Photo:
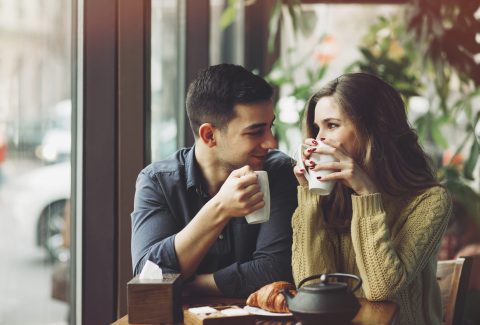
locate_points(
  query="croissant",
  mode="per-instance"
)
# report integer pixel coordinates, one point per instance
(269, 297)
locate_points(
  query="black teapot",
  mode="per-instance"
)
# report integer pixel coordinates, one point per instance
(324, 303)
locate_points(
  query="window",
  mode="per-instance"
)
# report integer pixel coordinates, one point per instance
(167, 111)
(35, 112)
(226, 42)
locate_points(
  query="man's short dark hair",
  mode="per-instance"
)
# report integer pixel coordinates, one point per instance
(216, 90)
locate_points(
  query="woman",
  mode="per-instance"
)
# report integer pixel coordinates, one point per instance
(386, 214)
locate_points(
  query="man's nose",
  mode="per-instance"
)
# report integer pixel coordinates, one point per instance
(270, 141)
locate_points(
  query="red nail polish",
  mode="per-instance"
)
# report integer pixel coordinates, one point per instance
(312, 164)
(302, 170)
(315, 142)
(319, 177)
(311, 150)
(322, 139)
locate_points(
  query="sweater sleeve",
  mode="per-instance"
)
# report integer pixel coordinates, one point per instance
(313, 250)
(387, 265)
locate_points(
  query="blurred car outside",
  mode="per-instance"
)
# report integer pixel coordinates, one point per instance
(37, 200)
(56, 142)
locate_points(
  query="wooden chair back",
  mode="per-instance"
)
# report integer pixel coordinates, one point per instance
(453, 278)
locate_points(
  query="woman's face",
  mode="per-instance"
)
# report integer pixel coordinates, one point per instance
(334, 124)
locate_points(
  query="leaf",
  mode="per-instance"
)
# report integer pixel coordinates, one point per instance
(302, 91)
(367, 54)
(228, 16)
(472, 160)
(437, 133)
(465, 195)
(421, 125)
(274, 24)
(321, 72)
(293, 16)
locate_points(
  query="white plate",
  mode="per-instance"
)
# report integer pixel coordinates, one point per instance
(261, 312)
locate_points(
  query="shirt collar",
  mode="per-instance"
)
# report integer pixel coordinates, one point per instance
(192, 171)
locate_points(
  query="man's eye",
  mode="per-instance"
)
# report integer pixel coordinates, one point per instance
(255, 134)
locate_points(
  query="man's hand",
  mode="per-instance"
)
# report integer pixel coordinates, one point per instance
(240, 194)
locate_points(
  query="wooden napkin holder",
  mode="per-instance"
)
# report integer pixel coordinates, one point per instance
(217, 318)
(154, 301)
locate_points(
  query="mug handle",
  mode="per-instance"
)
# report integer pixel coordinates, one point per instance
(324, 277)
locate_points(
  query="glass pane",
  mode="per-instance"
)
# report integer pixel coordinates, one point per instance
(35, 111)
(227, 32)
(166, 101)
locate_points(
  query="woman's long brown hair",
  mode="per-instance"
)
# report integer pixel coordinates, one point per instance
(389, 150)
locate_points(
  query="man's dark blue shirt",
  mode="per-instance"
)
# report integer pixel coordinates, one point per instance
(244, 257)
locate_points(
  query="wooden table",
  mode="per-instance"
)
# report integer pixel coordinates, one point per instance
(370, 313)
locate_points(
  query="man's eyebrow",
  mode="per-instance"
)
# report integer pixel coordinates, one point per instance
(257, 125)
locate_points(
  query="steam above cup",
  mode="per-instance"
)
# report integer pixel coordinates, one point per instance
(314, 184)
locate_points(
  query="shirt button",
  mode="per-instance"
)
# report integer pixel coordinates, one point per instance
(221, 236)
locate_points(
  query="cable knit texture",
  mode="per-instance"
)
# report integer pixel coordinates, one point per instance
(392, 245)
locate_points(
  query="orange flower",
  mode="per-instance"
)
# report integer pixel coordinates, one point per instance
(457, 160)
(326, 51)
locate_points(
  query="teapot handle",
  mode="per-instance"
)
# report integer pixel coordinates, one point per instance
(323, 278)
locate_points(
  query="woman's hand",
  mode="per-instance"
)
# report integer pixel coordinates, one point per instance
(299, 169)
(346, 170)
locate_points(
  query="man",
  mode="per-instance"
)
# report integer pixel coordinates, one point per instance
(189, 209)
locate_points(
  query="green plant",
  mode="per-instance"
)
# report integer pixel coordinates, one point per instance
(277, 15)
(295, 92)
(445, 34)
(294, 77)
(385, 55)
(426, 57)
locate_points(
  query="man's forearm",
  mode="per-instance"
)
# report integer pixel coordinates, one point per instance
(193, 241)
(203, 284)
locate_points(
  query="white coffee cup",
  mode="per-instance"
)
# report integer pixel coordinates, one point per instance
(263, 214)
(314, 184)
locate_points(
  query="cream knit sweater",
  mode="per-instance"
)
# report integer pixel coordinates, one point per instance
(392, 245)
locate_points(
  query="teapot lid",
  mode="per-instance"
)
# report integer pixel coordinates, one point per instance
(324, 287)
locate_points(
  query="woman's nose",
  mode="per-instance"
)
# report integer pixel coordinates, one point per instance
(320, 135)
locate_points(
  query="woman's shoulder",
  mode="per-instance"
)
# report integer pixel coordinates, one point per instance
(436, 191)
(435, 198)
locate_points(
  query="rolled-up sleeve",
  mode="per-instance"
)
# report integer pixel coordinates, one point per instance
(272, 256)
(153, 227)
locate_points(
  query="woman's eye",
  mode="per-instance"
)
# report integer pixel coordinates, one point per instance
(332, 125)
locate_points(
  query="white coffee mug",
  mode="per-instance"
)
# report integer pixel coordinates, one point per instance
(263, 214)
(314, 184)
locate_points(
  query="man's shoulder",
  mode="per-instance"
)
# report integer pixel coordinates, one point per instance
(170, 165)
(277, 159)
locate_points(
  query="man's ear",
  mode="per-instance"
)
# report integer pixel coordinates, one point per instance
(206, 134)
